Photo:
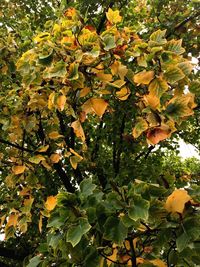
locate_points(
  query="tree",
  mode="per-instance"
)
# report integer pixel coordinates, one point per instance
(91, 105)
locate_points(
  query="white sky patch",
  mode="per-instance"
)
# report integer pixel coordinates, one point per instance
(187, 150)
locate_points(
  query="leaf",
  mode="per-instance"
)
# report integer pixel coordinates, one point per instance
(158, 134)
(12, 220)
(123, 94)
(104, 77)
(113, 16)
(75, 233)
(139, 208)
(54, 135)
(61, 100)
(36, 159)
(182, 241)
(34, 262)
(85, 91)
(157, 38)
(173, 74)
(51, 203)
(40, 223)
(74, 160)
(113, 257)
(51, 100)
(118, 69)
(143, 77)
(18, 169)
(55, 157)
(43, 148)
(87, 187)
(175, 46)
(158, 263)
(42, 37)
(117, 83)
(97, 105)
(140, 127)
(114, 230)
(27, 205)
(152, 100)
(186, 67)
(177, 200)
(78, 130)
(109, 42)
(73, 71)
(158, 86)
(58, 70)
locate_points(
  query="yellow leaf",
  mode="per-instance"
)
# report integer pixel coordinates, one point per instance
(177, 200)
(55, 158)
(43, 148)
(113, 16)
(18, 169)
(85, 91)
(99, 105)
(51, 100)
(118, 69)
(158, 263)
(55, 135)
(104, 77)
(123, 94)
(42, 37)
(12, 220)
(74, 160)
(78, 130)
(113, 257)
(40, 223)
(158, 86)
(75, 153)
(152, 100)
(143, 77)
(61, 100)
(50, 203)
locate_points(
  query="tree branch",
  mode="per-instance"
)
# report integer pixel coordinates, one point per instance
(15, 146)
(133, 255)
(181, 24)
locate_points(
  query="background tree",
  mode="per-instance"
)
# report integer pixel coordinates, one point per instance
(84, 100)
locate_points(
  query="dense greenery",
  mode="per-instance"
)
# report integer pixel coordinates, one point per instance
(94, 98)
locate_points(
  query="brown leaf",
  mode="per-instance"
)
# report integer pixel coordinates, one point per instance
(158, 134)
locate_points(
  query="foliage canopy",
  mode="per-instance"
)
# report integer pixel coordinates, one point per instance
(92, 107)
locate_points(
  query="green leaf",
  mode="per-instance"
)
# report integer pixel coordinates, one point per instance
(175, 46)
(139, 208)
(115, 230)
(186, 67)
(195, 87)
(46, 59)
(73, 72)
(58, 70)
(182, 242)
(87, 187)
(158, 86)
(174, 74)
(75, 233)
(139, 127)
(34, 262)
(157, 38)
(109, 42)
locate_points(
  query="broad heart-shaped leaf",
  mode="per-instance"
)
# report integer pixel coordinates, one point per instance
(139, 208)
(157, 38)
(158, 134)
(144, 77)
(75, 233)
(175, 46)
(113, 16)
(139, 127)
(34, 262)
(109, 42)
(73, 72)
(177, 200)
(182, 241)
(174, 74)
(158, 86)
(115, 230)
(87, 187)
(58, 70)
(186, 67)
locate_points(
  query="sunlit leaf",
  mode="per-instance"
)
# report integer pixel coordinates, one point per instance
(173, 74)
(144, 77)
(113, 16)
(50, 203)
(158, 134)
(177, 200)
(158, 86)
(175, 46)
(61, 100)
(78, 130)
(140, 127)
(55, 158)
(123, 94)
(18, 169)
